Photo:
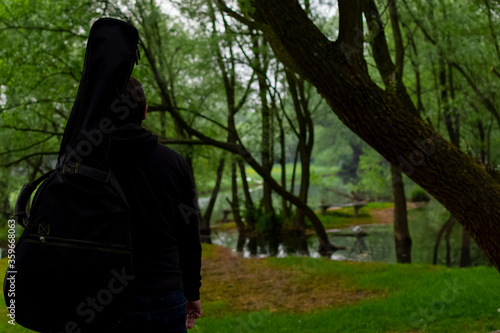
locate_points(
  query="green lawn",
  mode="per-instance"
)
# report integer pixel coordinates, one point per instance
(343, 217)
(419, 298)
(340, 218)
(411, 298)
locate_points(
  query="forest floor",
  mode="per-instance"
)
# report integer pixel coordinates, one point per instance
(301, 294)
(232, 278)
(386, 215)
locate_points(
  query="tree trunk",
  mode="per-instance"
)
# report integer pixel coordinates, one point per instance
(299, 222)
(262, 65)
(294, 172)
(401, 232)
(235, 202)
(249, 207)
(453, 128)
(241, 242)
(305, 136)
(339, 72)
(205, 221)
(357, 151)
(465, 253)
(447, 239)
(446, 226)
(284, 208)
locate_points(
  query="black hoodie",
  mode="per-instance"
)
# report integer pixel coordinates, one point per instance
(164, 222)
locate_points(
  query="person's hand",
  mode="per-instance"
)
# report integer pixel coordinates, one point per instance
(193, 311)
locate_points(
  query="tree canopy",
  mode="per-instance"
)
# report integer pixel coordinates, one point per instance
(254, 82)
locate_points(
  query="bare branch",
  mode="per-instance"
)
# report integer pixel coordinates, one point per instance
(28, 147)
(420, 24)
(492, 28)
(245, 94)
(30, 130)
(398, 39)
(27, 157)
(485, 100)
(240, 18)
(163, 108)
(42, 101)
(180, 141)
(16, 27)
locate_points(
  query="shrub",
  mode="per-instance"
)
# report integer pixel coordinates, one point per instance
(420, 195)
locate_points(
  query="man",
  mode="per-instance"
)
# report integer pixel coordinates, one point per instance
(164, 225)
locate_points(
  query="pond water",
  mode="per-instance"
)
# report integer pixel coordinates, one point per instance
(378, 245)
(316, 195)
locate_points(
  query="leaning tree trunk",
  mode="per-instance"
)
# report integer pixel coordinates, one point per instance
(401, 232)
(339, 72)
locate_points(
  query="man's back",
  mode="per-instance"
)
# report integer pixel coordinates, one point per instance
(164, 221)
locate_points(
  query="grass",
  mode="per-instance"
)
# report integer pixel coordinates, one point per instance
(418, 298)
(339, 218)
(393, 298)
(224, 226)
(5, 327)
(208, 251)
(344, 217)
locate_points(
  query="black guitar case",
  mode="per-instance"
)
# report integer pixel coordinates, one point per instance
(72, 270)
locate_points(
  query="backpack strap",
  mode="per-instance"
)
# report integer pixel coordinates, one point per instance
(20, 214)
(86, 171)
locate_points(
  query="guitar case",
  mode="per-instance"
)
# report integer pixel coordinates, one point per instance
(72, 269)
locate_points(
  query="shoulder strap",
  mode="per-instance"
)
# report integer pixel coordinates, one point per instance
(20, 214)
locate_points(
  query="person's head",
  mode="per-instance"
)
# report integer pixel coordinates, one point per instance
(136, 93)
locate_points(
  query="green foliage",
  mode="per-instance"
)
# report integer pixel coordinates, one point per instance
(419, 195)
(41, 61)
(247, 6)
(344, 217)
(264, 222)
(374, 175)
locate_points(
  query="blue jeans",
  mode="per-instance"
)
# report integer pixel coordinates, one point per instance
(155, 312)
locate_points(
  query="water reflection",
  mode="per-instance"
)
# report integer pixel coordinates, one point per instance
(376, 243)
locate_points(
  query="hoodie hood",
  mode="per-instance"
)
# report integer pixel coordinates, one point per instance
(131, 142)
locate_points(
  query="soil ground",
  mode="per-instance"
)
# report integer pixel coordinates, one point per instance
(251, 284)
(242, 282)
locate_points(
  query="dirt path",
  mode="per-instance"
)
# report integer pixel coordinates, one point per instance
(251, 284)
(386, 215)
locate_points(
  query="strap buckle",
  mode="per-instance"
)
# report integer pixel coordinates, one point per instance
(86, 171)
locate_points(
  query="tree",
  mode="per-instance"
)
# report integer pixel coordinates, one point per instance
(339, 72)
(234, 144)
(392, 75)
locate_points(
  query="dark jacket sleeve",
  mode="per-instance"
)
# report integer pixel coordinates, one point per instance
(189, 242)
